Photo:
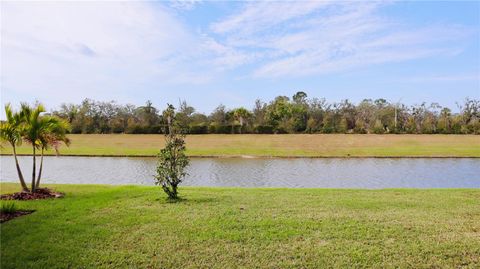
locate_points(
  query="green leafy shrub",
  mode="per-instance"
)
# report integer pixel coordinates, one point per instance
(172, 160)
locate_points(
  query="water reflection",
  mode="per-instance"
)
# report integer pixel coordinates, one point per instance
(368, 173)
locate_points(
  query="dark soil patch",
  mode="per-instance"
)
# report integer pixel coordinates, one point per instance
(8, 216)
(43, 193)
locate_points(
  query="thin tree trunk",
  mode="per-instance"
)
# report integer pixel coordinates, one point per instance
(34, 168)
(37, 185)
(19, 171)
(241, 125)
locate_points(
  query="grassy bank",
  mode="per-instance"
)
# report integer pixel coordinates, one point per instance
(120, 227)
(318, 145)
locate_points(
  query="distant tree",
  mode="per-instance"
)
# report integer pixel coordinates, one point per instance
(443, 124)
(365, 116)
(241, 115)
(259, 111)
(470, 115)
(184, 115)
(348, 114)
(68, 112)
(172, 160)
(281, 115)
(278, 113)
(219, 115)
(300, 97)
(378, 127)
(328, 122)
(148, 117)
(316, 112)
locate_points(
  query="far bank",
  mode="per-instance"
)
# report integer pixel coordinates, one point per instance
(288, 145)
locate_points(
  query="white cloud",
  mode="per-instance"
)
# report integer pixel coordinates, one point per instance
(306, 38)
(224, 57)
(184, 4)
(441, 78)
(101, 49)
(258, 16)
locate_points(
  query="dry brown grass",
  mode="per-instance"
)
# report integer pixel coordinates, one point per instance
(315, 145)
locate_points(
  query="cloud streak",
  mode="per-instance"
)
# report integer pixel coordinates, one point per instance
(308, 38)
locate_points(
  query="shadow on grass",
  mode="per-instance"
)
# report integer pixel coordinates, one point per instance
(4, 217)
(185, 200)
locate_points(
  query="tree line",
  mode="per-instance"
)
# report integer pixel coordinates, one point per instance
(298, 114)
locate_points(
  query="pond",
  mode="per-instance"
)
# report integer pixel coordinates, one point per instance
(368, 173)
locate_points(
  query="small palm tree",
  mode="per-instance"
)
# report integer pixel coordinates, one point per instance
(10, 131)
(40, 132)
(55, 134)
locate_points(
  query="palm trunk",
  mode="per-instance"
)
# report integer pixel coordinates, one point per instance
(37, 185)
(34, 168)
(19, 171)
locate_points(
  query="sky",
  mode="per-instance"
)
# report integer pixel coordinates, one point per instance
(232, 53)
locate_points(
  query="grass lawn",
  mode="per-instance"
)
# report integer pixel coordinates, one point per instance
(98, 226)
(316, 145)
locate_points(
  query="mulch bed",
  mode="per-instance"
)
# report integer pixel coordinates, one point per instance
(43, 193)
(8, 216)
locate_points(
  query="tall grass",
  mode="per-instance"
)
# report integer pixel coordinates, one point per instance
(8, 207)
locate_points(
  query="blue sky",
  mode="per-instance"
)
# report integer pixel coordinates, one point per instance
(235, 52)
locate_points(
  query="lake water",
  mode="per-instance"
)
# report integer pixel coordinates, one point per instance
(369, 173)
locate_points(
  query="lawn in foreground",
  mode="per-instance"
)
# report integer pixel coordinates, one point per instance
(133, 226)
(315, 145)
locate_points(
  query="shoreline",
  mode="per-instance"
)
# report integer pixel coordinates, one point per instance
(189, 187)
(262, 156)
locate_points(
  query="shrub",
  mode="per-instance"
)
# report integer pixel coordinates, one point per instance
(198, 129)
(134, 129)
(220, 129)
(263, 129)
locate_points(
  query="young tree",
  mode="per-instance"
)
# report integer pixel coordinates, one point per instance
(10, 131)
(172, 160)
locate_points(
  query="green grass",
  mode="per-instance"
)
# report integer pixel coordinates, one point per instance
(8, 207)
(98, 226)
(316, 145)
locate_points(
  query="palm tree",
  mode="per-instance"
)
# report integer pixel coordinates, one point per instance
(241, 114)
(40, 132)
(54, 135)
(10, 131)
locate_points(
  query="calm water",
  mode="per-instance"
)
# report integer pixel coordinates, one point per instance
(368, 173)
